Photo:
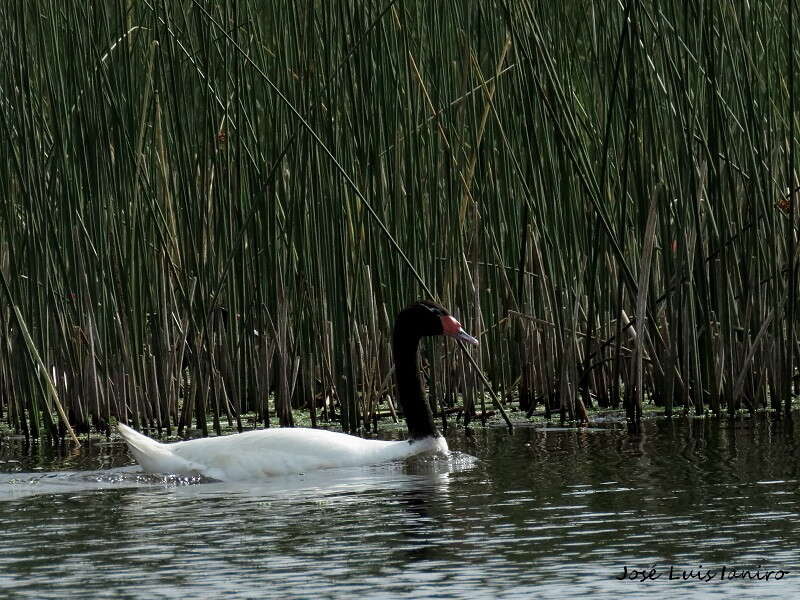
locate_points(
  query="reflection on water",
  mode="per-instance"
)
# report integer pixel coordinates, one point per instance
(542, 514)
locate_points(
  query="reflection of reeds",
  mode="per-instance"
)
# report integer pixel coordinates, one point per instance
(602, 196)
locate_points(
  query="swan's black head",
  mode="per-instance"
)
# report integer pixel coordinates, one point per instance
(422, 319)
(426, 318)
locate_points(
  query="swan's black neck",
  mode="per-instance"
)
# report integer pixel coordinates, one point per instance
(419, 417)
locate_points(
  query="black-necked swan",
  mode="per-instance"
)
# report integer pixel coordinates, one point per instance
(285, 451)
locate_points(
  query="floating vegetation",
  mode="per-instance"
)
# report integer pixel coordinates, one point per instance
(213, 208)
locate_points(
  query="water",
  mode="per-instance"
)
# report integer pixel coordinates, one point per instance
(544, 513)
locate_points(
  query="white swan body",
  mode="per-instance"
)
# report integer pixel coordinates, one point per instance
(270, 452)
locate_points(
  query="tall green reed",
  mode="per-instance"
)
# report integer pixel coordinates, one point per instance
(208, 204)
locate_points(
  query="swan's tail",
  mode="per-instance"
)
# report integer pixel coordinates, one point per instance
(152, 455)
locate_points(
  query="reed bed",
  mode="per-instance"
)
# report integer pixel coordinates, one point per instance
(212, 209)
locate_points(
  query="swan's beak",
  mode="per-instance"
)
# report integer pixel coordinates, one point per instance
(465, 337)
(452, 328)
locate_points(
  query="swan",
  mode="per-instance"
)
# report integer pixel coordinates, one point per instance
(286, 451)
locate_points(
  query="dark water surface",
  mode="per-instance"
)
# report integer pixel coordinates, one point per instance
(552, 513)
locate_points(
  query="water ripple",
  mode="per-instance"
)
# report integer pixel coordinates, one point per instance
(541, 514)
